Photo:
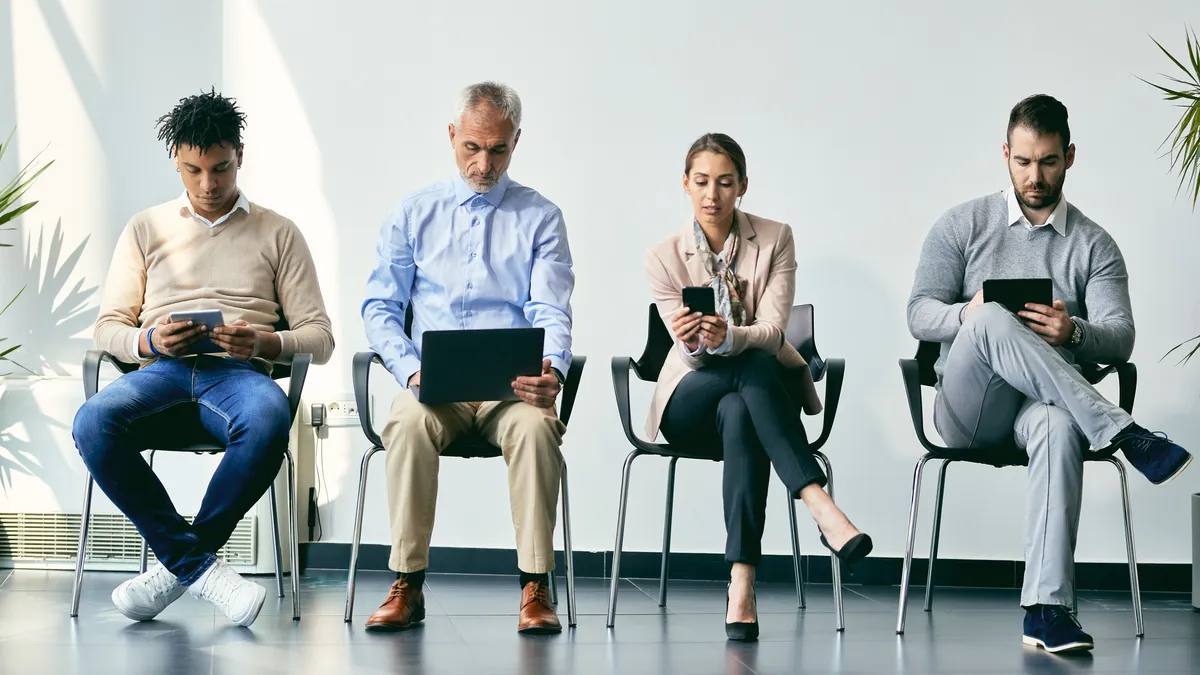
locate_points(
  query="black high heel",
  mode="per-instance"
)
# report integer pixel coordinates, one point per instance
(852, 551)
(741, 631)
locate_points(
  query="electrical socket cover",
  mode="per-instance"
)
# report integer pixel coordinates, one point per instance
(341, 411)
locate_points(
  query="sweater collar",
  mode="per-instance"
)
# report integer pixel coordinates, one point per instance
(1057, 219)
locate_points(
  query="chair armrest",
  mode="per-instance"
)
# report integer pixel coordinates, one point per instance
(571, 387)
(911, 373)
(1127, 384)
(835, 370)
(361, 375)
(621, 365)
(91, 370)
(300, 364)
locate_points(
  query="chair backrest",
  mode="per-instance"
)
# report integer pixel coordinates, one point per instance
(658, 345)
(800, 335)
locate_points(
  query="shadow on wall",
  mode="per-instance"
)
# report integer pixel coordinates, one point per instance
(51, 317)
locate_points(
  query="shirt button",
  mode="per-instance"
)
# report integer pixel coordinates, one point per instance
(470, 285)
(474, 223)
(472, 256)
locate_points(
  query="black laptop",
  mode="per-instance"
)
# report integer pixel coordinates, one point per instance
(477, 365)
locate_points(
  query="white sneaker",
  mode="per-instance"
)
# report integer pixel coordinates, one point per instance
(145, 596)
(238, 599)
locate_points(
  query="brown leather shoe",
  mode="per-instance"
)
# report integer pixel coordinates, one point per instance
(404, 607)
(537, 615)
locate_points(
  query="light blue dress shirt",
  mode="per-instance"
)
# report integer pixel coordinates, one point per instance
(467, 261)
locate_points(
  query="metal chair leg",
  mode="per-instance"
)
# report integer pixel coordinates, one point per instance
(937, 534)
(615, 578)
(143, 558)
(278, 549)
(839, 615)
(906, 571)
(356, 538)
(796, 561)
(666, 547)
(80, 553)
(1127, 510)
(568, 550)
(553, 587)
(293, 516)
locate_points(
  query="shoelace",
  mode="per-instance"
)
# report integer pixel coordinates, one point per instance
(399, 589)
(1142, 441)
(160, 584)
(221, 589)
(541, 593)
(1059, 614)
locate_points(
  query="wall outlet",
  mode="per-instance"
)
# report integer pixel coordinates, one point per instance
(341, 411)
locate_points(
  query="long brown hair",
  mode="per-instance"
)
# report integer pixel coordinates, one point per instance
(720, 144)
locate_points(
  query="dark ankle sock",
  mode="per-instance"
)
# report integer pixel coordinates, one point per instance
(526, 578)
(415, 579)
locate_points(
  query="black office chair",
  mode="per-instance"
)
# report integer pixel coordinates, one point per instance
(919, 372)
(647, 368)
(468, 447)
(295, 373)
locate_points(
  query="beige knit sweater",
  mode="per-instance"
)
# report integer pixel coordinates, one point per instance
(254, 266)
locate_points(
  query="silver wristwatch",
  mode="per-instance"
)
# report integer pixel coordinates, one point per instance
(1076, 338)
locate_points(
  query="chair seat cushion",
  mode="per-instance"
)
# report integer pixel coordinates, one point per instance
(471, 446)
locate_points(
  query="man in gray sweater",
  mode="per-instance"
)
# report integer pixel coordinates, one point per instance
(1007, 378)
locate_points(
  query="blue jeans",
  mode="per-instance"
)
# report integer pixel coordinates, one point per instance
(174, 402)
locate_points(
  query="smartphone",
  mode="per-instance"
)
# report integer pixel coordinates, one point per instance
(210, 318)
(1015, 293)
(701, 299)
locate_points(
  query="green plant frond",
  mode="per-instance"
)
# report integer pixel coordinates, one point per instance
(1186, 357)
(10, 302)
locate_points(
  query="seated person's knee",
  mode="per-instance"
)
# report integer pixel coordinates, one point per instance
(530, 427)
(731, 409)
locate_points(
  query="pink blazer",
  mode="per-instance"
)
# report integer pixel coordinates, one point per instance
(767, 261)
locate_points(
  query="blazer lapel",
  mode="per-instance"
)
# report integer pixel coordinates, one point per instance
(697, 274)
(747, 264)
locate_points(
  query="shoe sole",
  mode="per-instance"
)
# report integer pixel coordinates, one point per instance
(1069, 647)
(540, 630)
(1178, 471)
(131, 614)
(260, 597)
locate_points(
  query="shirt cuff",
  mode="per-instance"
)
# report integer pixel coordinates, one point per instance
(558, 363)
(698, 352)
(725, 347)
(136, 349)
(405, 368)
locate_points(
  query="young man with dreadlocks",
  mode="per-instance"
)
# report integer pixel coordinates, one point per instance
(209, 249)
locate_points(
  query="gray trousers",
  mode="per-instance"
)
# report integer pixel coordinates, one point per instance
(1002, 382)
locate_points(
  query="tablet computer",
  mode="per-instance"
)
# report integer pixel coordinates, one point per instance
(701, 299)
(209, 318)
(1014, 293)
(477, 365)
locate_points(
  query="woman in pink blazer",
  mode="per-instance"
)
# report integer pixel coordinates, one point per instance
(731, 378)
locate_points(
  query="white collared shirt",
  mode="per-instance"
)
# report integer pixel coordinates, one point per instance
(1057, 219)
(185, 209)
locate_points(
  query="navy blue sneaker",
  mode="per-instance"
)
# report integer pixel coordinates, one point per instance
(1054, 629)
(1152, 453)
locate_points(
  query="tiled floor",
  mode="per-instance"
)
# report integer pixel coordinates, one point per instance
(471, 628)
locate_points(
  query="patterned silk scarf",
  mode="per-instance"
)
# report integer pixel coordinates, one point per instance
(727, 284)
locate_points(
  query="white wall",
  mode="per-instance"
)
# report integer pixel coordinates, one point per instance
(862, 123)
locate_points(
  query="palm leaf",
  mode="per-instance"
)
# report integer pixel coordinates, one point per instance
(1183, 140)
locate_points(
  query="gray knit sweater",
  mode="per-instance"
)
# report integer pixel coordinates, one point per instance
(973, 242)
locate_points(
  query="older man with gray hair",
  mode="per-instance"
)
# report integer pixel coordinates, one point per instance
(476, 251)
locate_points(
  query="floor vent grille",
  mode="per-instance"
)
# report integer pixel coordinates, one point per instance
(53, 537)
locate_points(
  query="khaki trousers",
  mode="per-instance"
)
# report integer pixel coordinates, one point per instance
(529, 437)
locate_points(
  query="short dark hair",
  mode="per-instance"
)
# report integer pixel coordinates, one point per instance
(1042, 115)
(202, 121)
(721, 144)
